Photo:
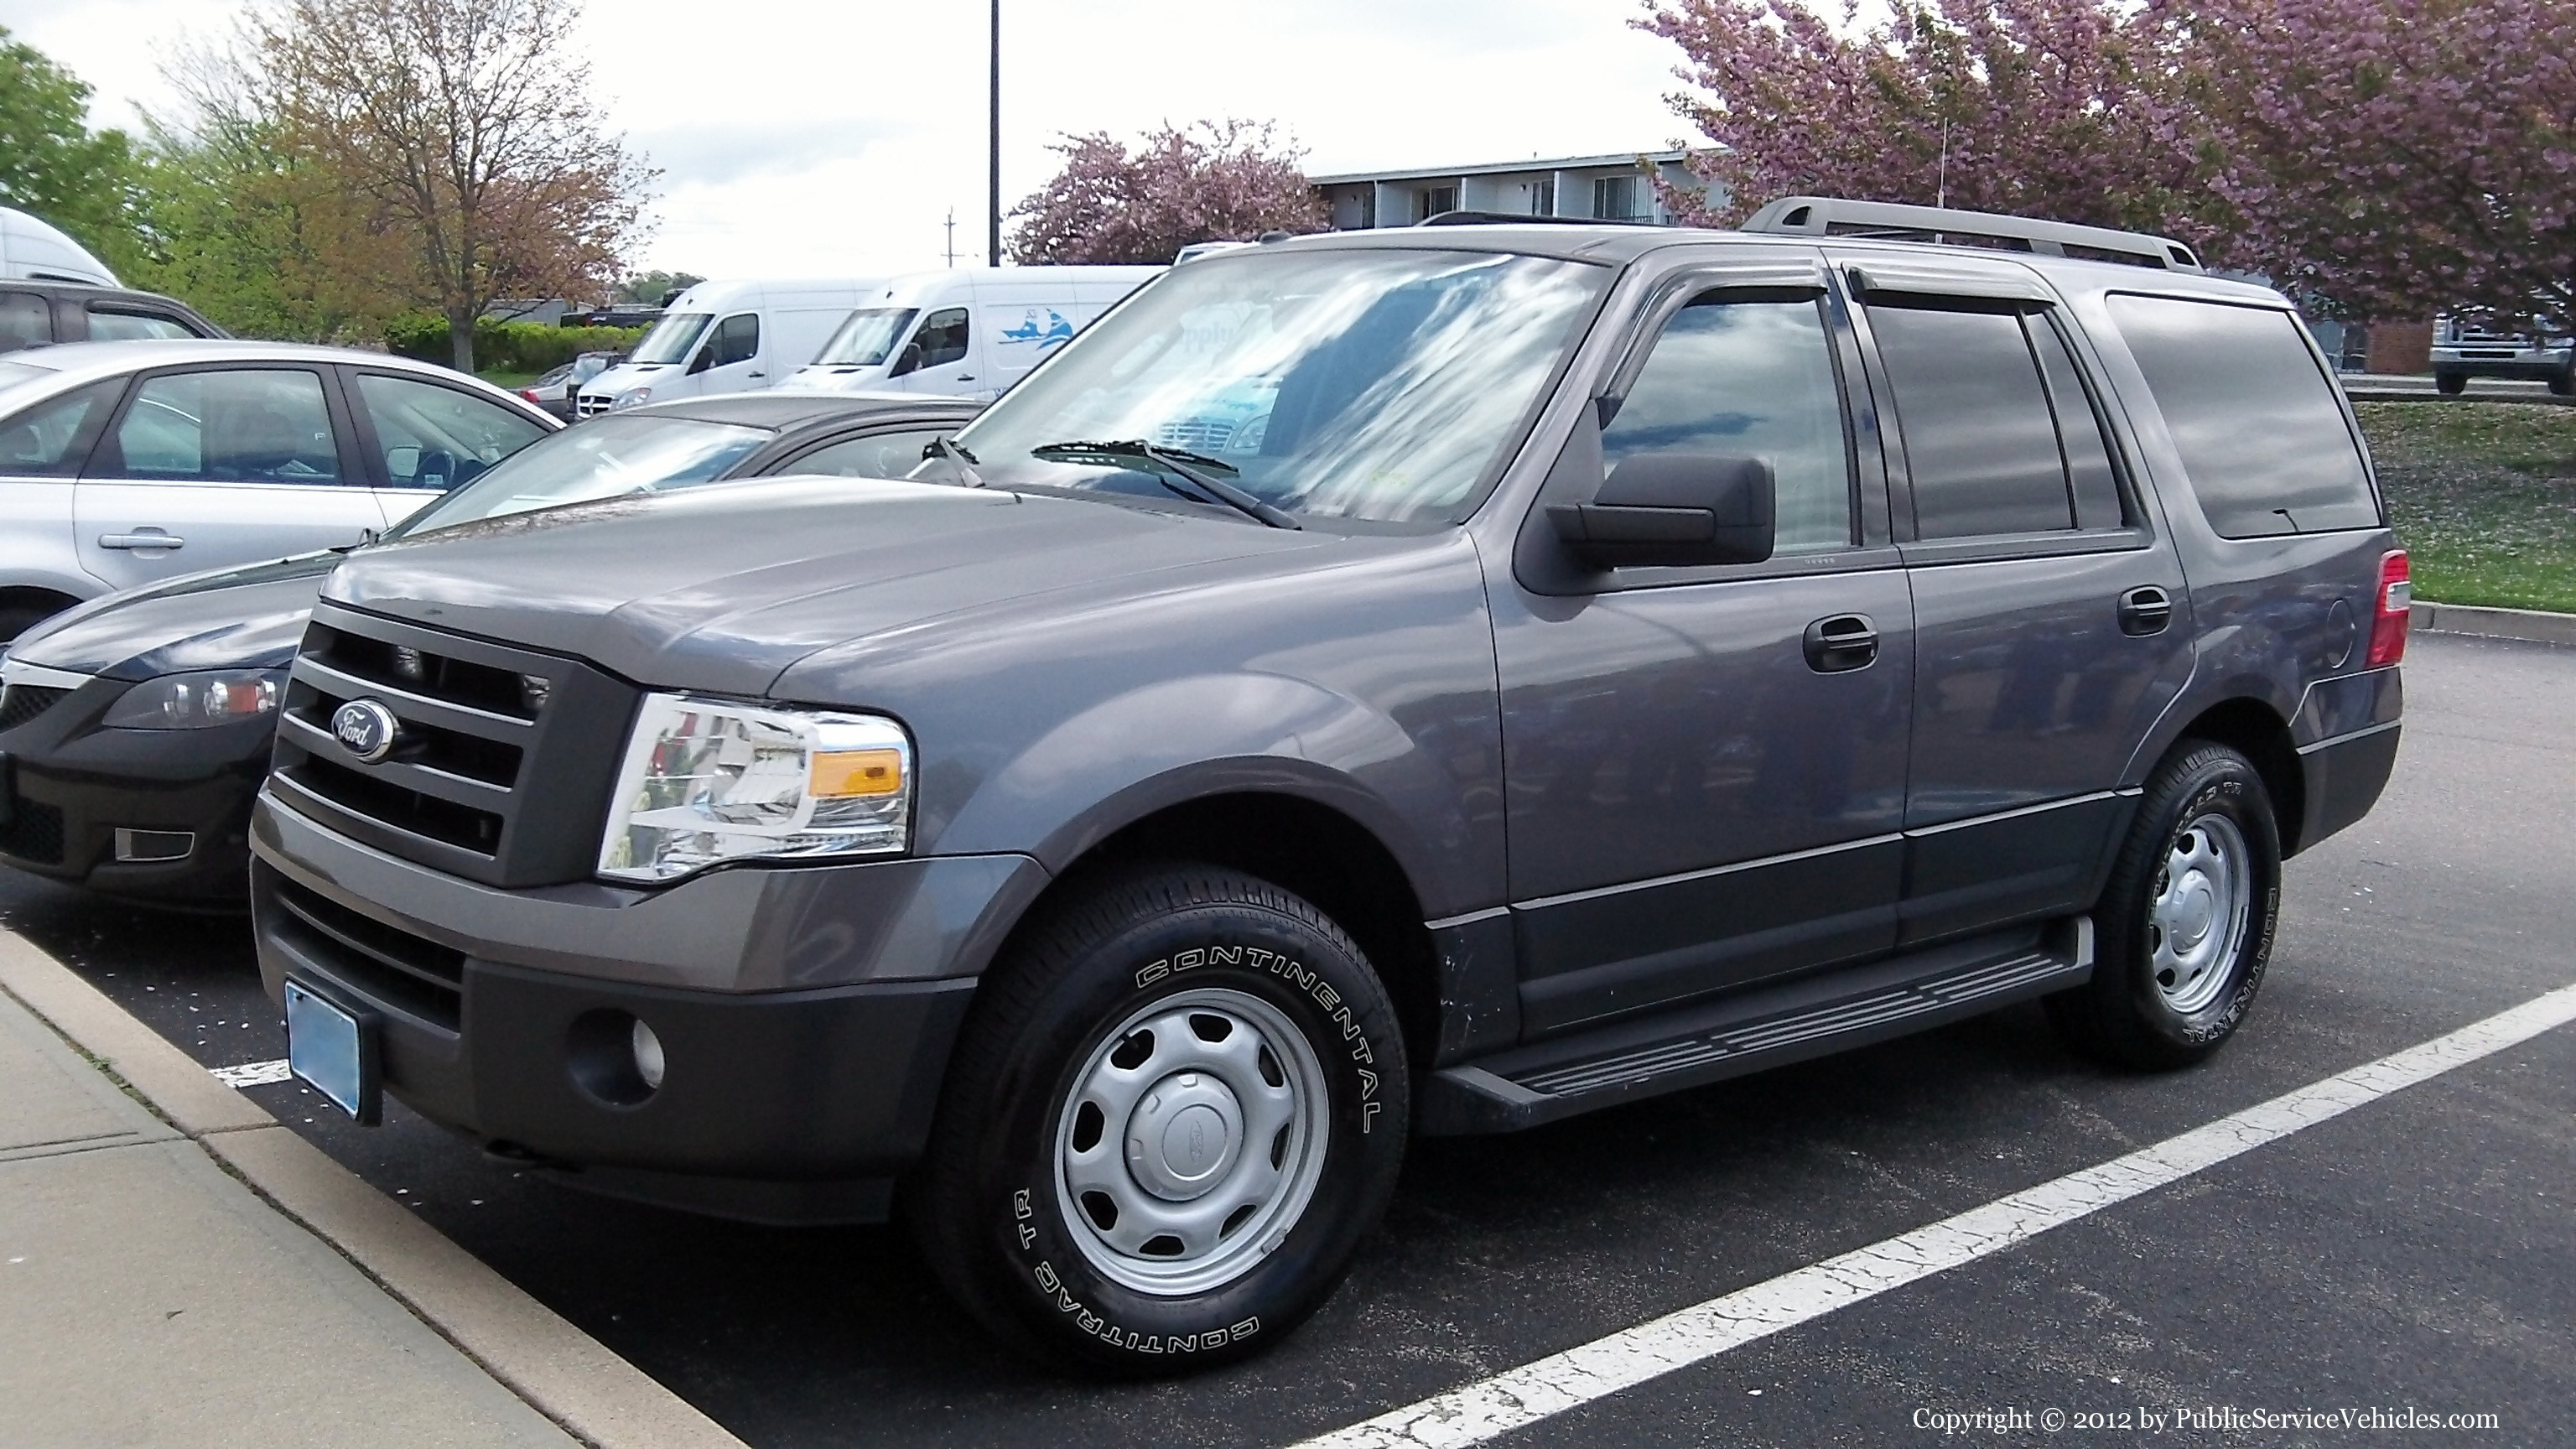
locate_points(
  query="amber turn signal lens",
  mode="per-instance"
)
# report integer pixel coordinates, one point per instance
(839, 774)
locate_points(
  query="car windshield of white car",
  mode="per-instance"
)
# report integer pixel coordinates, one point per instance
(672, 337)
(1372, 385)
(867, 337)
(603, 458)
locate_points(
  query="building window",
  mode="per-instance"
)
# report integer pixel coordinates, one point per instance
(1430, 201)
(1614, 198)
(1542, 197)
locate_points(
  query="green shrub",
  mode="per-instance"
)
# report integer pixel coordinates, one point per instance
(529, 347)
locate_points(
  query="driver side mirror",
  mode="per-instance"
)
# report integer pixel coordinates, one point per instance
(705, 359)
(910, 361)
(1675, 510)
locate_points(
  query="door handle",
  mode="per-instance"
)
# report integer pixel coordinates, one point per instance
(965, 377)
(145, 538)
(755, 374)
(2145, 611)
(1842, 643)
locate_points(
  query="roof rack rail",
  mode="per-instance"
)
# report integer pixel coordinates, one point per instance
(1830, 216)
(1512, 218)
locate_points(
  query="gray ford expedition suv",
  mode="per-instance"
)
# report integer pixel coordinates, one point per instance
(1427, 681)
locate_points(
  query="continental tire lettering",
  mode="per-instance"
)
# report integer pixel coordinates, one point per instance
(1287, 969)
(1225, 955)
(1109, 1333)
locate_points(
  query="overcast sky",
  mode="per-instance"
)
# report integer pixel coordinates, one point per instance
(823, 137)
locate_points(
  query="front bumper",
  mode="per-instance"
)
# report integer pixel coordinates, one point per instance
(794, 1092)
(73, 786)
(2537, 364)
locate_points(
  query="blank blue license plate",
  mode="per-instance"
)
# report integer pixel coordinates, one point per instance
(326, 1048)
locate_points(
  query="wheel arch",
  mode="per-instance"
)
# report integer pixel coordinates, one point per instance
(2256, 730)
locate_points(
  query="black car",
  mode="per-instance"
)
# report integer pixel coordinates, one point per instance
(41, 313)
(135, 728)
(1390, 682)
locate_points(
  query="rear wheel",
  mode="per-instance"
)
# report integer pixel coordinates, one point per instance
(1179, 1106)
(2185, 927)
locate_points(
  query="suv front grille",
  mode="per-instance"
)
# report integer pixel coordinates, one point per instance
(592, 404)
(391, 965)
(20, 703)
(502, 757)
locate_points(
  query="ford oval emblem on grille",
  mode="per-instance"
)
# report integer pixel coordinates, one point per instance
(365, 729)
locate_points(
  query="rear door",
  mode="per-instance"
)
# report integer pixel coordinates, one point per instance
(1705, 768)
(2051, 623)
(210, 466)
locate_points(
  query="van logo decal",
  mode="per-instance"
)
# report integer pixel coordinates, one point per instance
(1055, 331)
(365, 729)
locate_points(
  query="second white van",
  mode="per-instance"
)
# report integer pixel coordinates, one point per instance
(729, 336)
(964, 333)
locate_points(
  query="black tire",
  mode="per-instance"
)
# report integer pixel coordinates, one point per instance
(2563, 382)
(2126, 1015)
(990, 1208)
(2450, 384)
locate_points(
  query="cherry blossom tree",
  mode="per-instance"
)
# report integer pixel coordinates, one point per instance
(2393, 157)
(1226, 180)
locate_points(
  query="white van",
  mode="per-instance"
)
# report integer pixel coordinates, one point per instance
(732, 336)
(31, 250)
(964, 333)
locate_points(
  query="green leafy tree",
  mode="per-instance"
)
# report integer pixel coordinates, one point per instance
(53, 165)
(650, 288)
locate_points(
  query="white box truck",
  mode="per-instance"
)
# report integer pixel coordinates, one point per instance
(964, 333)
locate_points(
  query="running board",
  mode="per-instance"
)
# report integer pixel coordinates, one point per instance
(1753, 1030)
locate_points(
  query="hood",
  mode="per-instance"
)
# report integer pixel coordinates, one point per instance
(240, 618)
(721, 589)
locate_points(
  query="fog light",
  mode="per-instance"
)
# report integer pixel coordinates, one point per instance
(153, 845)
(648, 1056)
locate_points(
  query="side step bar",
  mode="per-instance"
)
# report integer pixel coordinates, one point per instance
(1753, 1030)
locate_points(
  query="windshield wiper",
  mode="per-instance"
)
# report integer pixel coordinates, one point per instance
(1189, 467)
(947, 451)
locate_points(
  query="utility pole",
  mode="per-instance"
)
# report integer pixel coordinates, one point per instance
(952, 236)
(993, 214)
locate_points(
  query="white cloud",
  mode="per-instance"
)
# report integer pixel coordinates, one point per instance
(812, 137)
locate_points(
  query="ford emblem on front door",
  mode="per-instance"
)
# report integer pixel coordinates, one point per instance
(365, 728)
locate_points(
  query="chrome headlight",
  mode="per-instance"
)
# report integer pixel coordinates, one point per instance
(633, 397)
(707, 781)
(198, 700)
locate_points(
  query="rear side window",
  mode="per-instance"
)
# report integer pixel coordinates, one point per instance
(26, 320)
(2252, 415)
(52, 438)
(1981, 439)
(266, 425)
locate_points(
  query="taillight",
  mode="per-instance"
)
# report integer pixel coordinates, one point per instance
(2396, 599)
(530, 394)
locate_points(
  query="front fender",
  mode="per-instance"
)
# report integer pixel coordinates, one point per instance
(1177, 740)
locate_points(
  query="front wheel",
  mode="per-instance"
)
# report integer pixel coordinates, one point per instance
(2563, 381)
(1179, 1106)
(2185, 925)
(2450, 384)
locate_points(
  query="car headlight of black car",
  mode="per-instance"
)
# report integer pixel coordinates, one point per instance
(707, 781)
(198, 700)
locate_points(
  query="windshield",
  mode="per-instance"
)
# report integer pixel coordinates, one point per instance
(672, 337)
(602, 458)
(1368, 385)
(867, 338)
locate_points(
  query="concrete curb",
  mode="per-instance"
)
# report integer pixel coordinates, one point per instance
(2531, 625)
(560, 1371)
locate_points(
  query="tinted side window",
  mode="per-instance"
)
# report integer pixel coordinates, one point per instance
(435, 437)
(942, 336)
(1749, 379)
(50, 439)
(1980, 441)
(265, 426)
(2079, 431)
(737, 339)
(882, 455)
(105, 326)
(2252, 415)
(26, 320)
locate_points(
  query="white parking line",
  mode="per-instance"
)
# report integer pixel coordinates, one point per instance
(252, 1074)
(1561, 1381)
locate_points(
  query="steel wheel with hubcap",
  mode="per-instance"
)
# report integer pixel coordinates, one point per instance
(1178, 1104)
(2184, 927)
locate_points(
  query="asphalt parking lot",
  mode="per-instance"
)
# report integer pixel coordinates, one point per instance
(2411, 1254)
